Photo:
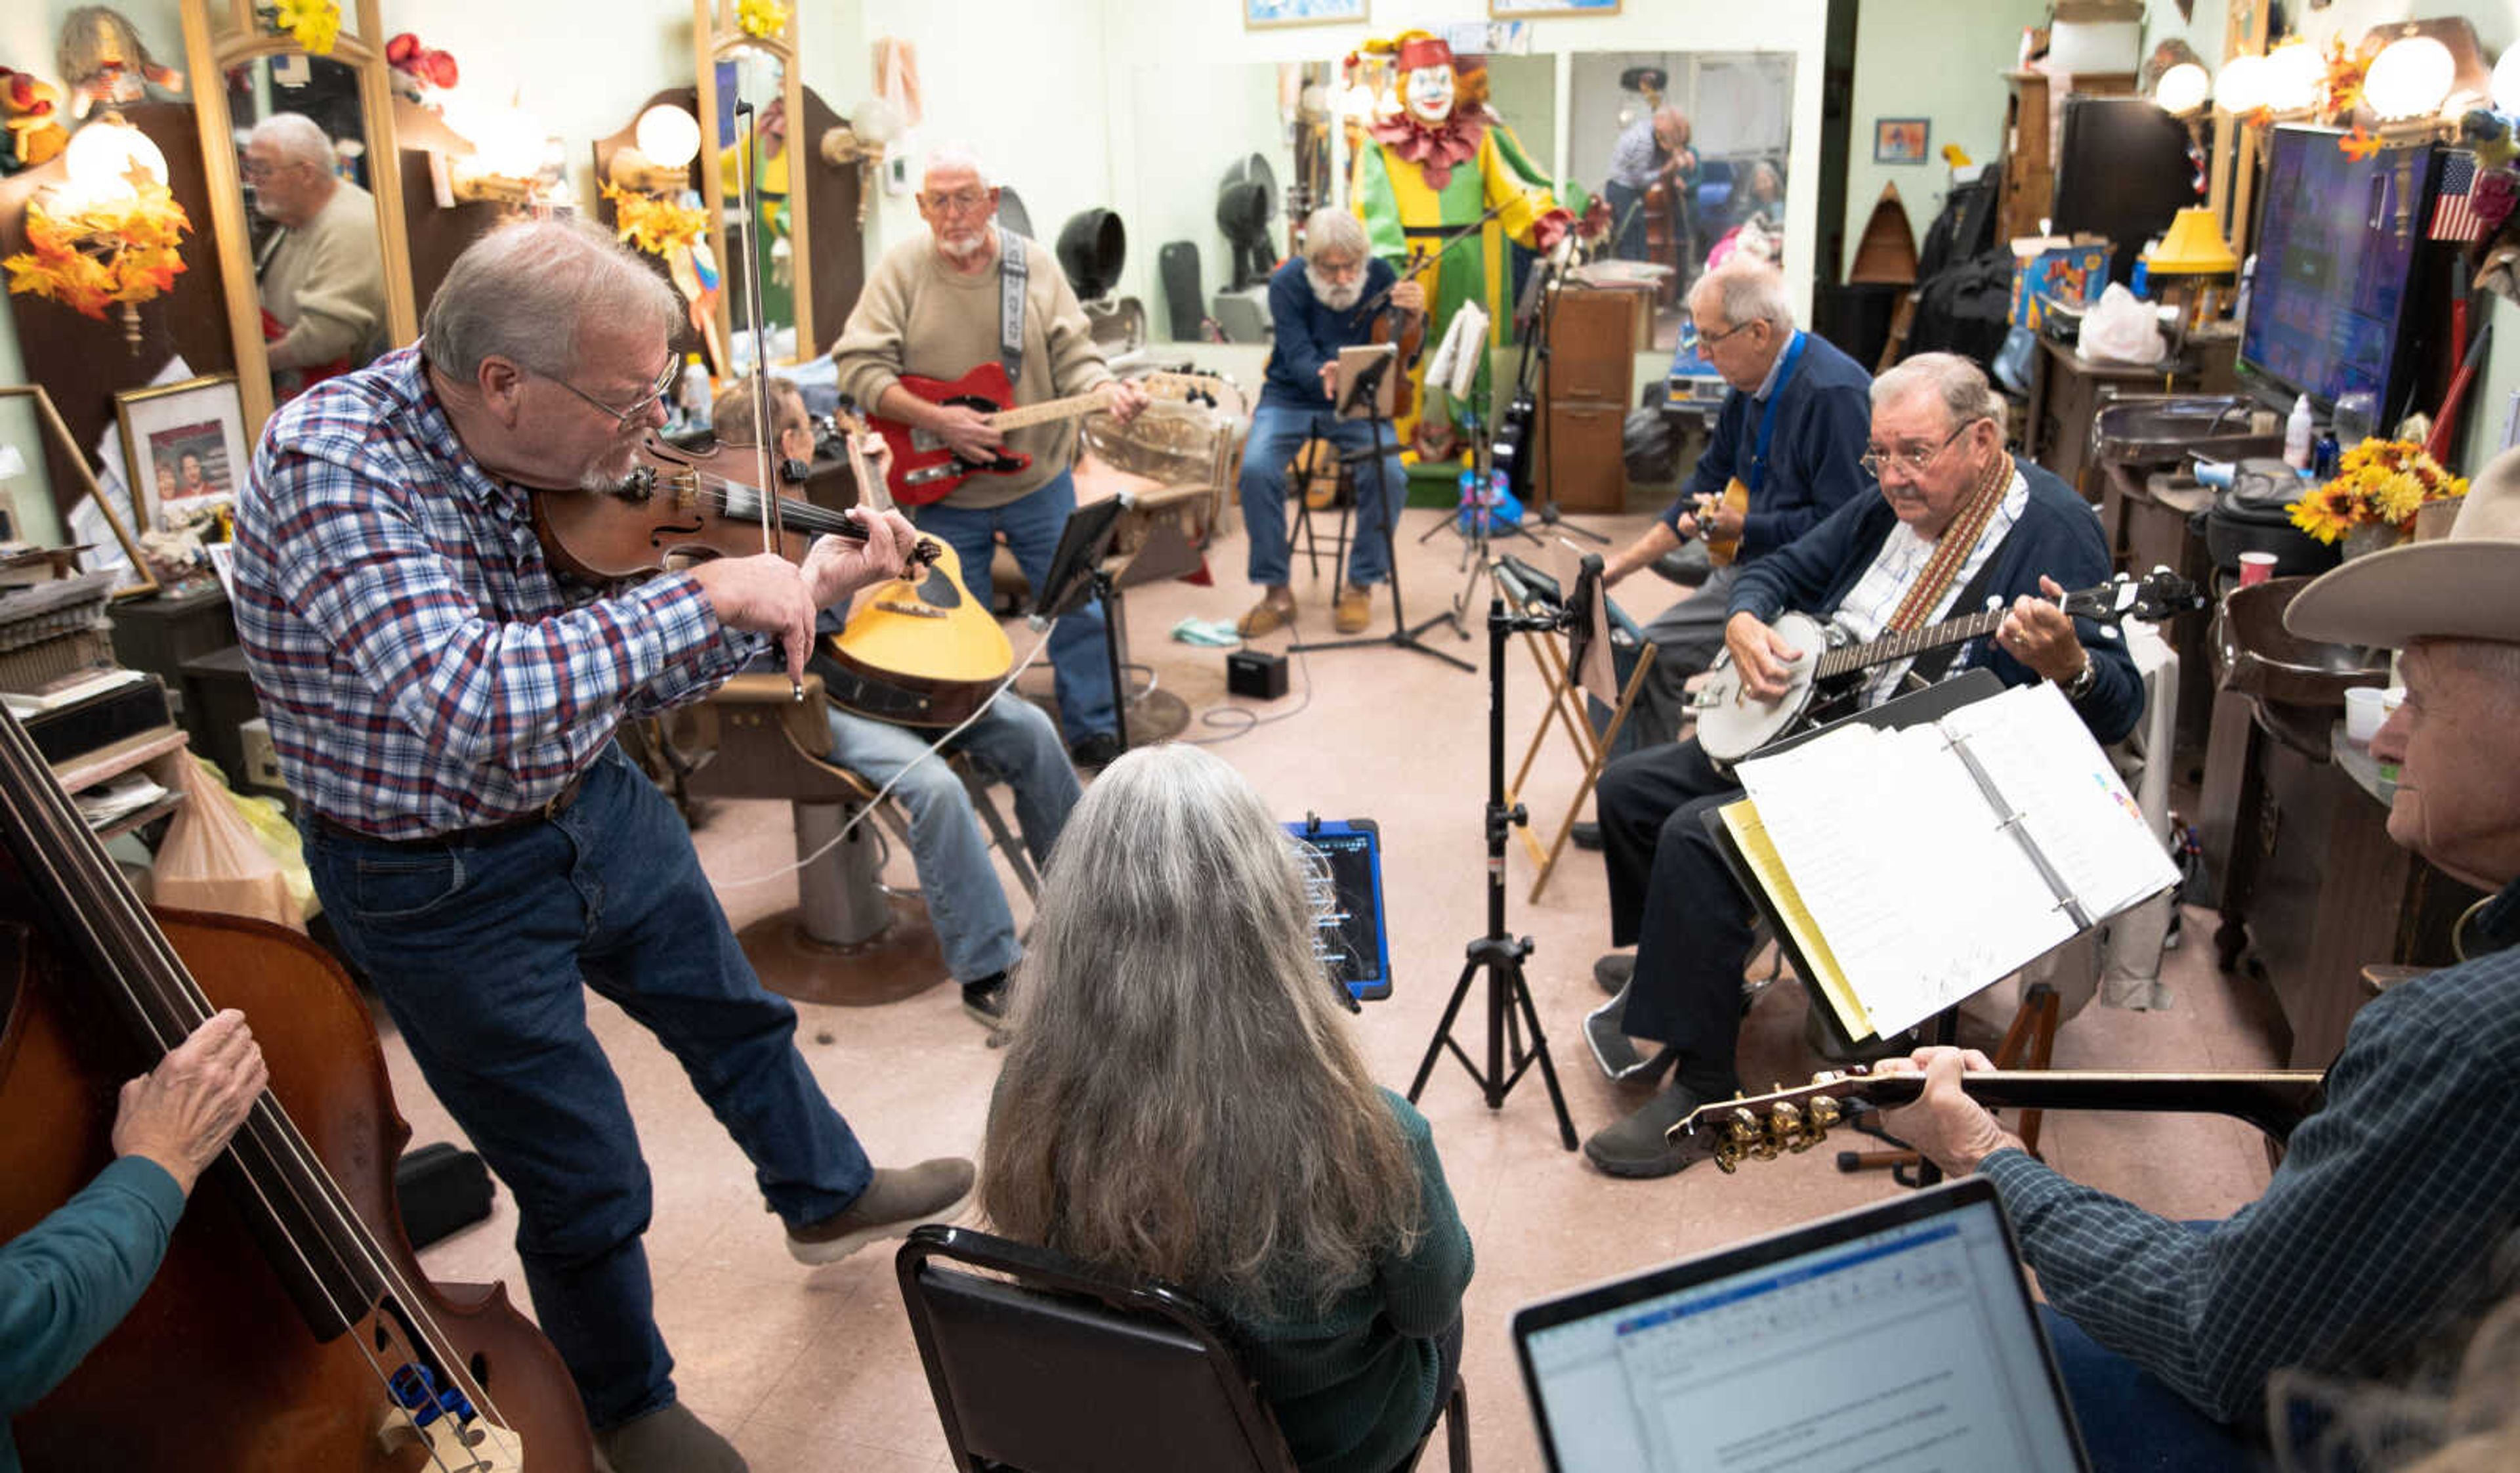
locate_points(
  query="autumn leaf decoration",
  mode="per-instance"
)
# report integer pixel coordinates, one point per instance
(119, 251)
(652, 224)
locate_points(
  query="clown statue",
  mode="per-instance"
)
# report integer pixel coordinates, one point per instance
(1438, 163)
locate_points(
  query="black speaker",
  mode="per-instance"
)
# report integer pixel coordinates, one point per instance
(441, 1188)
(1256, 673)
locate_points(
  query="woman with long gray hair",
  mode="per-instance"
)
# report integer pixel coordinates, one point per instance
(1181, 1101)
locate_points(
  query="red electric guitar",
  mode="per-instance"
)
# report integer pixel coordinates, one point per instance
(926, 468)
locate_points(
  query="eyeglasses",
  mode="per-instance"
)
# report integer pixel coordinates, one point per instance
(1337, 270)
(264, 168)
(961, 201)
(1706, 340)
(621, 418)
(1911, 459)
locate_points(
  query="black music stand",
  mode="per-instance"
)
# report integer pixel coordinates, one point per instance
(1359, 399)
(1076, 577)
(1536, 351)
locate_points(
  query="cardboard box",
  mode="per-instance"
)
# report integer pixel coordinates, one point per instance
(2068, 272)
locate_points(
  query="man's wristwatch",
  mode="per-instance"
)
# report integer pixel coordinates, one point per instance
(2081, 685)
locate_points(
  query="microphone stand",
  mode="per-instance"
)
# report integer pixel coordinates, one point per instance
(1543, 475)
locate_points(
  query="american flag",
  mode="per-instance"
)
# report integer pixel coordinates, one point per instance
(2455, 207)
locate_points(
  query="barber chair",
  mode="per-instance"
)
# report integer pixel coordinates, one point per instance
(849, 941)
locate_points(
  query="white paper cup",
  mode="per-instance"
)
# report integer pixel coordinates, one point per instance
(2364, 711)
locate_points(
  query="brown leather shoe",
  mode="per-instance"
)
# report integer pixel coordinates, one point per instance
(1275, 611)
(1354, 610)
(894, 1203)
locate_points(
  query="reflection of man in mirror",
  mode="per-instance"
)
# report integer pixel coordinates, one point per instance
(1653, 150)
(322, 275)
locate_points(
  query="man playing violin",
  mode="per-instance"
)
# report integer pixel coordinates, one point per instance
(1318, 304)
(1791, 435)
(2389, 1225)
(1010, 738)
(1957, 525)
(443, 707)
(936, 308)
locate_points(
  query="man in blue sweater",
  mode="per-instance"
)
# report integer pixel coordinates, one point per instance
(1792, 432)
(1958, 525)
(1316, 303)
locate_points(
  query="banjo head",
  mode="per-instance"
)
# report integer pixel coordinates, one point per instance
(1731, 725)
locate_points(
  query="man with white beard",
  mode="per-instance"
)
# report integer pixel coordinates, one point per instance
(939, 306)
(1315, 302)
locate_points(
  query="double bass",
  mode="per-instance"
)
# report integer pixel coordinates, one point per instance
(289, 1326)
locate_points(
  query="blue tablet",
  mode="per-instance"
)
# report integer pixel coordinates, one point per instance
(1351, 941)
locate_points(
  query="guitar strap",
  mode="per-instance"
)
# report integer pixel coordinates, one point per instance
(1950, 553)
(1013, 270)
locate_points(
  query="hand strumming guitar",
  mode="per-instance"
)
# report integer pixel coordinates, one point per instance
(966, 431)
(1761, 654)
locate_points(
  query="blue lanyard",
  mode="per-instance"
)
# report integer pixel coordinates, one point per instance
(1767, 422)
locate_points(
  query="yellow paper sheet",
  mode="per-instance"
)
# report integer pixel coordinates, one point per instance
(1760, 854)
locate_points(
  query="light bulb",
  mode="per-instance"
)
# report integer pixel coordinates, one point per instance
(878, 121)
(668, 135)
(2182, 89)
(2410, 77)
(2242, 87)
(101, 157)
(2293, 75)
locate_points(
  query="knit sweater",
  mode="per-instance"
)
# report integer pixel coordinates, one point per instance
(325, 282)
(2058, 535)
(920, 316)
(1310, 335)
(1814, 460)
(65, 1282)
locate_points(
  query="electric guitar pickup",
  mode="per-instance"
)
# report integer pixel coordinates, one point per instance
(1785, 1121)
(926, 468)
(1732, 724)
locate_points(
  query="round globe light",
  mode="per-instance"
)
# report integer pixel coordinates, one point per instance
(878, 122)
(2410, 77)
(2293, 76)
(668, 135)
(2506, 82)
(2182, 89)
(101, 157)
(2243, 87)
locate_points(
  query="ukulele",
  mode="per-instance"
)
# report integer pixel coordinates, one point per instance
(1732, 724)
(1782, 1121)
(918, 651)
(926, 468)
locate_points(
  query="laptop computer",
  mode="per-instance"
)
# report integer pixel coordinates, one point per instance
(1893, 1338)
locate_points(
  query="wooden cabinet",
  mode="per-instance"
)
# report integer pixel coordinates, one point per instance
(1590, 382)
(2031, 117)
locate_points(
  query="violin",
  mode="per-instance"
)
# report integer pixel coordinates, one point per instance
(1406, 329)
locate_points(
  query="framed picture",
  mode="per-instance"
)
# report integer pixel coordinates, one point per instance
(179, 441)
(1900, 140)
(136, 582)
(1516, 8)
(1260, 14)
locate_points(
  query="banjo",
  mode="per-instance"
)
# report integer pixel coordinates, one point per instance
(1732, 724)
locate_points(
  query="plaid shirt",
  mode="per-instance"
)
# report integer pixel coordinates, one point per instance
(421, 665)
(2386, 1226)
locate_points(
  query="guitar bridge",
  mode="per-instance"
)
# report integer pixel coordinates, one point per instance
(914, 610)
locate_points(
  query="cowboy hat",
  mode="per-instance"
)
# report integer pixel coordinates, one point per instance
(2464, 586)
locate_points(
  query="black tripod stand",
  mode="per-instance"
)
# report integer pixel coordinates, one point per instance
(1359, 399)
(1536, 484)
(1499, 954)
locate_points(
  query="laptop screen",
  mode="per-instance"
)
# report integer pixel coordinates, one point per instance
(1898, 1337)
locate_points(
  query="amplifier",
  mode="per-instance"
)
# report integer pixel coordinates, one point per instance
(1256, 673)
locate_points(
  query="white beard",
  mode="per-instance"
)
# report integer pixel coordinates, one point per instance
(1336, 298)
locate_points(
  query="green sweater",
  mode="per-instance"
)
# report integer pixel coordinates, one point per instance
(1353, 1388)
(65, 1282)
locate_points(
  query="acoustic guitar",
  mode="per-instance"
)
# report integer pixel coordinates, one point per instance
(1732, 724)
(926, 468)
(918, 651)
(1783, 1121)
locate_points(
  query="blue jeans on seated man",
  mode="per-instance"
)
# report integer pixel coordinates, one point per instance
(1013, 740)
(1077, 655)
(1277, 432)
(481, 948)
(2132, 1423)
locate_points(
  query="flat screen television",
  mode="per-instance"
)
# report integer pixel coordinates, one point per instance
(2122, 171)
(2333, 305)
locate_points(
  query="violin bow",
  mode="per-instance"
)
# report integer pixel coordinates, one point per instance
(757, 383)
(1435, 253)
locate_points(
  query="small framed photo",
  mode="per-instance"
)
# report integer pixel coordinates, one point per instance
(1505, 9)
(181, 441)
(1900, 140)
(1261, 15)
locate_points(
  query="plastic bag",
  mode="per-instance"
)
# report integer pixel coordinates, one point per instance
(214, 859)
(2122, 328)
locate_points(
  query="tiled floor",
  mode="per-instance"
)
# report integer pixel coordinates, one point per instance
(815, 1369)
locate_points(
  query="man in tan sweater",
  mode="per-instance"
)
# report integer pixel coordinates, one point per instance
(934, 308)
(322, 275)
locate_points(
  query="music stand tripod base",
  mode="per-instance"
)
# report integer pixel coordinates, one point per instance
(1404, 635)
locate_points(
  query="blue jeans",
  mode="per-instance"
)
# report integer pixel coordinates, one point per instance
(2131, 1421)
(481, 946)
(1013, 740)
(1627, 219)
(1077, 657)
(1277, 431)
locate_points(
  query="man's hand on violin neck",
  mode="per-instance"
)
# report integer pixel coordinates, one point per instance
(838, 566)
(1409, 296)
(764, 594)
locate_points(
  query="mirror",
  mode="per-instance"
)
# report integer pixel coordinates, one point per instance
(313, 257)
(740, 69)
(1731, 172)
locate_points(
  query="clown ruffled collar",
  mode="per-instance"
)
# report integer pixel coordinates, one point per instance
(1435, 149)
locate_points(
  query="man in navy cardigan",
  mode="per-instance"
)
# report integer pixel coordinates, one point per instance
(1936, 445)
(1316, 306)
(1791, 431)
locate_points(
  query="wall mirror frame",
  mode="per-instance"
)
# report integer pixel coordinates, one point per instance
(220, 34)
(718, 37)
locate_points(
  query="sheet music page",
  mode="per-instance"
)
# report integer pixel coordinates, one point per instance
(1759, 852)
(1900, 860)
(2044, 762)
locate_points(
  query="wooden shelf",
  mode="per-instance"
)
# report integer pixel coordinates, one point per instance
(89, 769)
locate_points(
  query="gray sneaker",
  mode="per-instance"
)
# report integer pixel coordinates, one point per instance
(668, 1440)
(1634, 1146)
(1612, 1049)
(894, 1203)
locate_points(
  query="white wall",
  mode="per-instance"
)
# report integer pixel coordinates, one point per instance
(1941, 60)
